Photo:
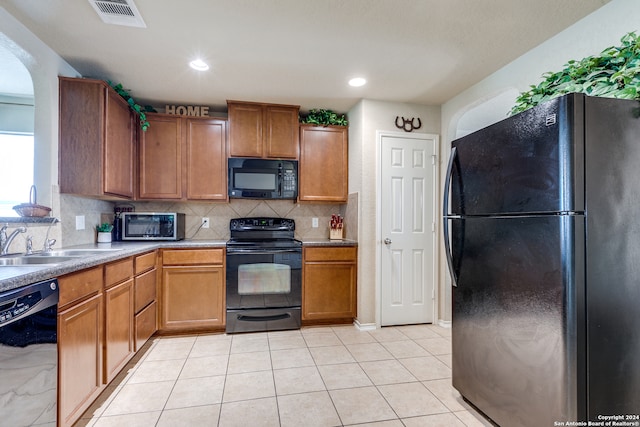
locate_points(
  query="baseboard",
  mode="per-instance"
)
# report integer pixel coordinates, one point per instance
(444, 323)
(364, 326)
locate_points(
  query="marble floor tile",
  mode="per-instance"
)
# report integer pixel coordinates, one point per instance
(331, 355)
(437, 420)
(284, 342)
(207, 366)
(426, 368)
(249, 343)
(317, 376)
(144, 397)
(368, 352)
(387, 372)
(254, 413)
(361, 405)
(249, 362)
(297, 380)
(322, 339)
(293, 358)
(192, 416)
(157, 370)
(435, 346)
(196, 392)
(347, 375)
(411, 400)
(404, 349)
(251, 385)
(308, 409)
(141, 419)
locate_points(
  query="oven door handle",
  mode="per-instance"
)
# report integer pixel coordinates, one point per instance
(262, 252)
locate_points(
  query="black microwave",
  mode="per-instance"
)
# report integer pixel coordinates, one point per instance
(263, 178)
(153, 226)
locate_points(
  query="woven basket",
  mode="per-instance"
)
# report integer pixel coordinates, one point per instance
(29, 209)
(32, 209)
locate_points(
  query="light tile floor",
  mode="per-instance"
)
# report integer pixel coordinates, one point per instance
(320, 376)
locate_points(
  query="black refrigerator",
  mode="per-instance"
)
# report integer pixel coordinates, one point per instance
(542, 238)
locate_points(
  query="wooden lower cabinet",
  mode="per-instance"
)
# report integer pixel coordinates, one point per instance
(193, 290)
(80, 343)
(329, 284)
(146, 324)
(193, 297)
(118, 328)
(145, 298)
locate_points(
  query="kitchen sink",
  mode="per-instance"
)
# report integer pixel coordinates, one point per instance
(34, 260)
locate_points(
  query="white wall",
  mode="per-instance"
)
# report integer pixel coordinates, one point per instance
(44, 65)
(589, 36)
(365, 118)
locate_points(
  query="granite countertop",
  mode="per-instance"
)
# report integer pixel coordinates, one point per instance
(328, 242)
(13, 278)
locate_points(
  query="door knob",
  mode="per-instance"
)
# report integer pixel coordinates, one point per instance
(387, 241)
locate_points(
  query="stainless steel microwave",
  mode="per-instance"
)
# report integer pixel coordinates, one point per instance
(263, 178)
(152, 226)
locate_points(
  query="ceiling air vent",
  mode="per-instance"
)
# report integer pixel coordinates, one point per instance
(118, 12)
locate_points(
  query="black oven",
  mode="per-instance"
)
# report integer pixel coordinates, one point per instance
(264, 276)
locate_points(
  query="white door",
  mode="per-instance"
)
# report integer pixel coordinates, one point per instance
(408, 229)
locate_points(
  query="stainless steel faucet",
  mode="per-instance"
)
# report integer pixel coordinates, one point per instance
(48, 243)
(6, 241)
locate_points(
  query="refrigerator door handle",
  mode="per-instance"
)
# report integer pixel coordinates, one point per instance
(445, 219)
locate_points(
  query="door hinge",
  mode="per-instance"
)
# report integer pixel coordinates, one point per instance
(433, 226)
(433, 159)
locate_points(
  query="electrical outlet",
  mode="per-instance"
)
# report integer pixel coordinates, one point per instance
(314, 222)
(205, 222)
(79, 222)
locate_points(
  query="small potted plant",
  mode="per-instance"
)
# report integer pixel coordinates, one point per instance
(104, 232)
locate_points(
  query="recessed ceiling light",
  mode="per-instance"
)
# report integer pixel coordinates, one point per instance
(357, 82)
(199, 64)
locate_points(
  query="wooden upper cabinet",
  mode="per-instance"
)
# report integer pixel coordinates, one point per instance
(324, 164)
(160, 155)
(206, 144)
(263, 130)
(183, 158)
(96, 140)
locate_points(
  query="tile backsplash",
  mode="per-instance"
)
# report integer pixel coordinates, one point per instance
(97, 211)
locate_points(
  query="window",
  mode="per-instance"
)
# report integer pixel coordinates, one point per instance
(16, 171)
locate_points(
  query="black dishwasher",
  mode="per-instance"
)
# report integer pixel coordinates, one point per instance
(29, 354)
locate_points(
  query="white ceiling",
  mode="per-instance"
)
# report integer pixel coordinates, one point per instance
(297, 51)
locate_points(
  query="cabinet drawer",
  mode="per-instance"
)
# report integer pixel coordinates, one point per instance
(145, 262)
(146, 324)
(193, 257)
(330, 254)
(79, 285)
(145, 289)
(118, 271)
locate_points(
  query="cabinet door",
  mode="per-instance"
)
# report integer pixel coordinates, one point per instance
(192, 298)
(96, 142)
(118, 328)
(281, 139)
(245, 130)
(206, 159)
(118, 147)
(329, 291)
(323, 172)
(160, 153)
(80, 341)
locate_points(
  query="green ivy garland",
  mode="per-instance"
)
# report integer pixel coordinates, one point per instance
(144, 124)
(322, 117)
(615, 73)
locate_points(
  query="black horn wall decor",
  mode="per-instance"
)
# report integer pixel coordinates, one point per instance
(407, 124)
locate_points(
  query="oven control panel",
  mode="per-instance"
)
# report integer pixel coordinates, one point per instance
(270, 224)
